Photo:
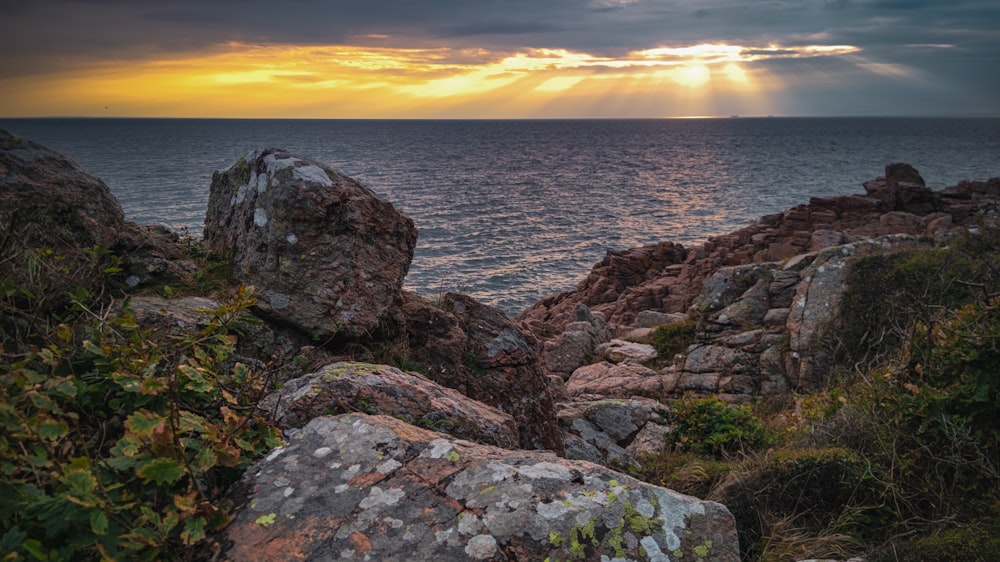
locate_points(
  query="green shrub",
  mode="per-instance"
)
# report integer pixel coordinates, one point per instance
(709, 426)
(118, 443)
(671, 339)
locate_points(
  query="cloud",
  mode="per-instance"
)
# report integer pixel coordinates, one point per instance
(916, 42)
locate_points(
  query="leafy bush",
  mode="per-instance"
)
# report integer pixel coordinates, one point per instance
(118, 442)
(671, 339)
(709, 426)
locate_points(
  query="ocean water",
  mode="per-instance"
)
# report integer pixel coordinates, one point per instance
(511, 211)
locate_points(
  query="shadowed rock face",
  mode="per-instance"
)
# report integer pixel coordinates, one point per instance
(60, 227)
(325, 253)
(373, 488)
(48, 203)
(479, 351)
(37, 183)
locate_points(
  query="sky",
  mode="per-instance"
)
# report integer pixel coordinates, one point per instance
(499, 58)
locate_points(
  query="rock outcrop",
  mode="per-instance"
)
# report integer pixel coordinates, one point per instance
(577, 345)
(326, 254)
(765, 299)
(374, 488)
(667, 277)
(58, 222)
(48, 201)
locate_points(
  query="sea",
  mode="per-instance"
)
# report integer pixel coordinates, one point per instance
(510, 211)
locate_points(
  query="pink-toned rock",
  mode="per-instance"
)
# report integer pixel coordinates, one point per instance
(50, 206)
(670, 278)
(620, 381)
(373, 487)
(61, 228)
(651, 439)
(901, 222)
(824, 239)
(575, 347)
(380, 389)
(621, 351)
(325, 253)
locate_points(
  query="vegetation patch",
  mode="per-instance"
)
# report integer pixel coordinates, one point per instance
(671, 339)
(118, 442)
(711, 427)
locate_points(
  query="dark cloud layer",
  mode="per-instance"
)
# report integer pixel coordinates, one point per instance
(956, 41)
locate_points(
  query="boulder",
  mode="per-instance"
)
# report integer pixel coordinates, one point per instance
(326, 254)
(575, 347)
(607, 380)
(622, 351)
(654, 318)
(53, 215)
(380, 389)
(601, 431)
(478, 350)
(375, 488)
(651, 439)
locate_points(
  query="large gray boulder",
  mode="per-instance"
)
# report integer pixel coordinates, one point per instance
(358, 487)
(325, 253)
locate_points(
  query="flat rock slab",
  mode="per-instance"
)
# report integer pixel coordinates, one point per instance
(357, 487)
(346, 386)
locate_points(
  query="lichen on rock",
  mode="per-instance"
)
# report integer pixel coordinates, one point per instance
(447, 499)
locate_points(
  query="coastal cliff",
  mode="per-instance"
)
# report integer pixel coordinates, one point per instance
(437, 428)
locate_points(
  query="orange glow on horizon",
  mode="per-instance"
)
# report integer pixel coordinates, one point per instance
(244, 80)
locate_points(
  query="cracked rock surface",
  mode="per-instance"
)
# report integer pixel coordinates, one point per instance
(358, 487)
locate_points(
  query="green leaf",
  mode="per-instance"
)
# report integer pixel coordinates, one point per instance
(65, 387)
(194, 530)
(99, 522)
(144, 423)
(189, 421)
(52, 429)
(128, 381)
(80, 483)
(206, 459)
(152, 386)
(193, 379)
(43, 402)
(34, 548)
(161, 471)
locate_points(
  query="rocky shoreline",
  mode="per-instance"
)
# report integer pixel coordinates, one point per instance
(443, 429)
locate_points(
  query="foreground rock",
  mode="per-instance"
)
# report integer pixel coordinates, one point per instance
(326, 254)
(374, 488)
